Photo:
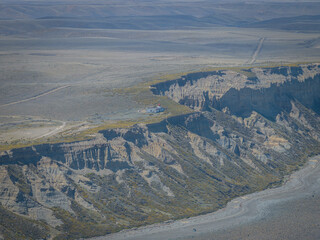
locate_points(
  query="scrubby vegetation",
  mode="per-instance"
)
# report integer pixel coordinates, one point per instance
(13, 226)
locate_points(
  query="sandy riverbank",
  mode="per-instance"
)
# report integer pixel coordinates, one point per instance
(291, 211)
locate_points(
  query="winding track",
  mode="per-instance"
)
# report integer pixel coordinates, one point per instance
(35, 97)
(239, 212)
(53, 132)
(257, 51)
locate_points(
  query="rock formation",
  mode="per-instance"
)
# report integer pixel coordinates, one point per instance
(251, 128)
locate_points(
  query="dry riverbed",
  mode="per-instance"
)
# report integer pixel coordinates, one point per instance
(291, 211)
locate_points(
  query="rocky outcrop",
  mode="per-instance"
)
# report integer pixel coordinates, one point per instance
(267, 91)
(182, 166)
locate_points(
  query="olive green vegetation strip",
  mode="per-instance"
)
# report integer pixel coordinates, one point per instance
(142, 95)
(240, 69)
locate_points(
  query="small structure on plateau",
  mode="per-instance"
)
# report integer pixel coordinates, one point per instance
(156, 109)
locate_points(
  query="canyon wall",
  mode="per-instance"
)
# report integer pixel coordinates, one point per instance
(267, 91)
(250, 130)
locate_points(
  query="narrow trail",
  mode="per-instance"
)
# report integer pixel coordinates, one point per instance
(35, 97)
(54, 131)
(257, 51)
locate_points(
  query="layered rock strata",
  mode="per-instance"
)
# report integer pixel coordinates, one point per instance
(251, 129)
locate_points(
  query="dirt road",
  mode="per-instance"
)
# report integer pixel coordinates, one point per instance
(53, 132)
(35, 97)
(257, 51)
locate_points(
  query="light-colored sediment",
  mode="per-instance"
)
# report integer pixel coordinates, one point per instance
(54, 131)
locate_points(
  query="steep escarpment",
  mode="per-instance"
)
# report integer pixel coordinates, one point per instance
(273, 100)
(267, 91)
(182, 166)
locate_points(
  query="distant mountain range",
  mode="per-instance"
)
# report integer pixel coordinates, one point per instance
(144, 15)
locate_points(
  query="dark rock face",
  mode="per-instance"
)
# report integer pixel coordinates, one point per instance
(241, 98)
(245, 138)
(273, 100)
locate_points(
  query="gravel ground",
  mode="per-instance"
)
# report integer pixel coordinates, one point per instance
(291, 211)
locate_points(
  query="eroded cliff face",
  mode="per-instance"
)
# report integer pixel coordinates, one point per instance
(179, 167)
(265, 90)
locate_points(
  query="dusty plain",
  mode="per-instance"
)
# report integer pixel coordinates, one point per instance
(75, 79)
(64, 62)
